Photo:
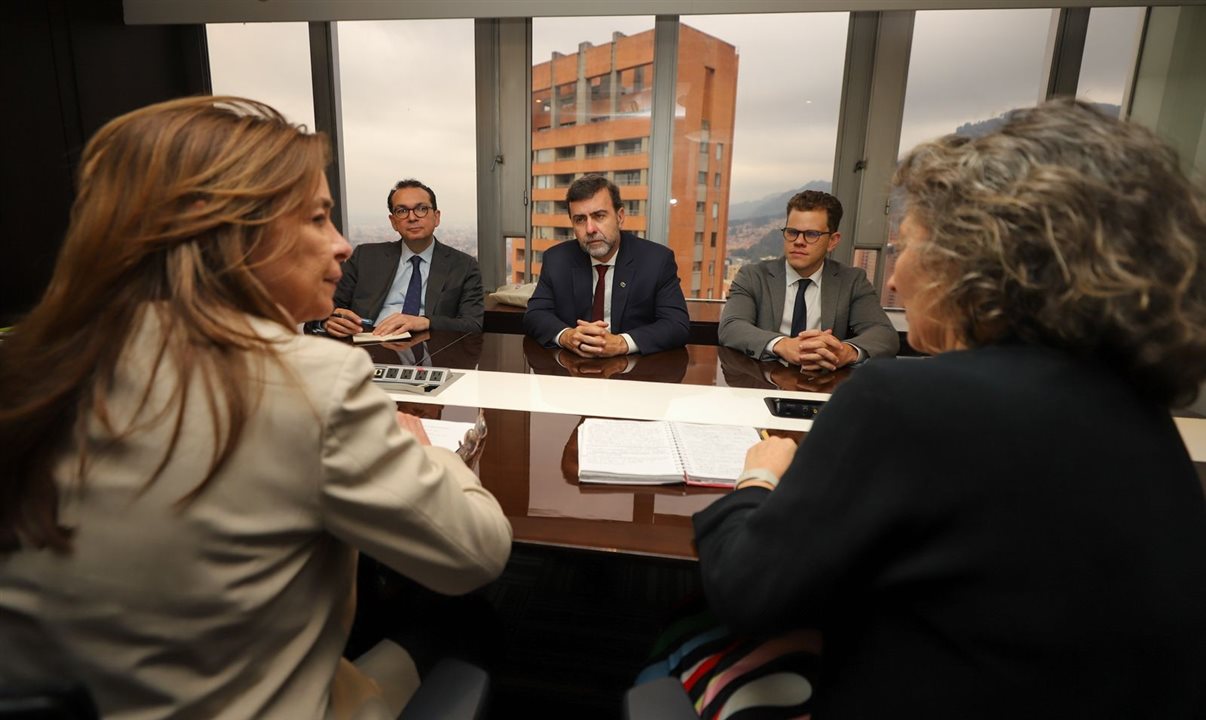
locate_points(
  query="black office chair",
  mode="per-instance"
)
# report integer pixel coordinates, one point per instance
(453, 690)
(661, 699)
(65, 701)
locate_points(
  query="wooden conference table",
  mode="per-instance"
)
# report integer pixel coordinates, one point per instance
(535, 398)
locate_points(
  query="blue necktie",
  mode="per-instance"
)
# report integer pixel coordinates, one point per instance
(799, 317)
(414, 291)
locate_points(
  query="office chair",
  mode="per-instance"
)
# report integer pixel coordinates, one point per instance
(64, 701)
(453, 690)
(662, 699)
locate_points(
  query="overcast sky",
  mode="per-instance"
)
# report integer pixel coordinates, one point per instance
(408, 88)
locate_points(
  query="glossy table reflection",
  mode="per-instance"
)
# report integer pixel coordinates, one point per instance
(530, 459)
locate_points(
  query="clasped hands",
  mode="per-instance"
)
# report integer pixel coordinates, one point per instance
(816, 351)
(344, 323)
(592, 339)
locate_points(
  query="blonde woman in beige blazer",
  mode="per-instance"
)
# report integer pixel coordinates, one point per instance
(184, 497)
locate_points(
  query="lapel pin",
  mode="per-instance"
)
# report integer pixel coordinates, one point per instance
(623, 284)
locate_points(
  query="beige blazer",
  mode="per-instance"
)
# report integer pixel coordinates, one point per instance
(238, 605)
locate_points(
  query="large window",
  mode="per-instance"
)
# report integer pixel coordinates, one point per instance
(968, 67)
(755, 111)
(269, 62)
(1109, 58)
(592, 82)
(759, 132)
(407, 117)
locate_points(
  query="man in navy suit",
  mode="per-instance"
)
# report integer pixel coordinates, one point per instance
(611, 293)
(412, 284)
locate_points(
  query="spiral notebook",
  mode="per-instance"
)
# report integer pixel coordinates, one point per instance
(661, 453)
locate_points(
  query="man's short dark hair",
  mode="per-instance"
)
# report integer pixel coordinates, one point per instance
(585, 188)
(817, 200)
(409, 183)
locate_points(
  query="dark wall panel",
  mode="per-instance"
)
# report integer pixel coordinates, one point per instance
(66, 68)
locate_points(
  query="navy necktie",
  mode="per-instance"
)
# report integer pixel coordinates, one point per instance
(414, 291)
(799, 317)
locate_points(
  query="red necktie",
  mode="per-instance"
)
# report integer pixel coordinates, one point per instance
(596, 312)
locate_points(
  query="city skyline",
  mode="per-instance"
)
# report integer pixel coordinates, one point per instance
(401, 122)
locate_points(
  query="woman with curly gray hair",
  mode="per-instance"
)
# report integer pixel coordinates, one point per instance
(1012, 528)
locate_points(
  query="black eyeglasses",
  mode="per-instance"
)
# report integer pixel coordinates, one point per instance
(790, 234)
(418, 211)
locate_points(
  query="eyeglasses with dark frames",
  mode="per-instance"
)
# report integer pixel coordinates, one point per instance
(401, 211)
(790, 234)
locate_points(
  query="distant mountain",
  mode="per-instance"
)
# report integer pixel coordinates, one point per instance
(769, 243)
(983, 127)
(771, 205)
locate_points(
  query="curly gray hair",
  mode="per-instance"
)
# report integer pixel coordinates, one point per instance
(1069, 229)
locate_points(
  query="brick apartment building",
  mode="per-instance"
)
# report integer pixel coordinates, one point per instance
(591, 112)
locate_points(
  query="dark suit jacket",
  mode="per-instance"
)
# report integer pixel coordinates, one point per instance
(454, 285)
(995, 533)
(646, 300)
(754, 311)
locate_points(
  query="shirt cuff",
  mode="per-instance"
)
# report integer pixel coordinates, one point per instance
(632, 346)
(762, 474)
(862, 354)
(768, 352)
(557, 339)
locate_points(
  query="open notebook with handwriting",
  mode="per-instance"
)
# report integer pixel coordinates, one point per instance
(660, 452)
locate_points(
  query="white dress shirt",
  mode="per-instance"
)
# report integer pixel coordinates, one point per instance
(397, 291)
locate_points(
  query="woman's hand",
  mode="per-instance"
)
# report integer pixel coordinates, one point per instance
(414, 426)
(774, 454)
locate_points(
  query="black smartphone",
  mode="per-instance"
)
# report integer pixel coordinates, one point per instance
(794, 407)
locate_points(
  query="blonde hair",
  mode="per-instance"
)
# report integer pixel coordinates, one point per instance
(174, 200)
(1069, 229)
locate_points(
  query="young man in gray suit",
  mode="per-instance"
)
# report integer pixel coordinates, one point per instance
(834, 321)
(415, 284)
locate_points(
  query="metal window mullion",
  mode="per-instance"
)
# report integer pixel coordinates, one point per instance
(849, 160)
(503, 71)
(1065, 50)
(661, 150)
(885, 111)
(328, 114)
(1128, 92)
(515, 121)
(490, 242)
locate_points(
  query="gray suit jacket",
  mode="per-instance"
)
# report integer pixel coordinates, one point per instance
(849, 305)
(454, 287)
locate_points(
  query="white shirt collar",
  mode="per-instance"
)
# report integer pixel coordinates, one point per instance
(426, 254)
(793, 276)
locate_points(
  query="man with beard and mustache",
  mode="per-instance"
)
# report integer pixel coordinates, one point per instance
(612, 293)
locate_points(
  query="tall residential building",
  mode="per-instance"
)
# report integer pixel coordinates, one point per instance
(591, 113)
